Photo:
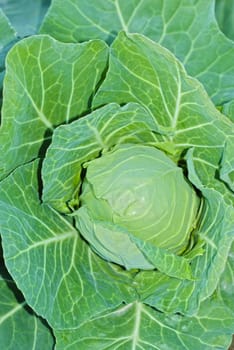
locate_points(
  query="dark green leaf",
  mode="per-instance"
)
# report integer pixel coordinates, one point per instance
(25, 16)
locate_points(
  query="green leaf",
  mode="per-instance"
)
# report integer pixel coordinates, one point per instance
(137, 326)
(224, 10)
(7, 39)
(225, 287)
(144, 72)
(227, 165)
(8, 36)
(110, 241)
(60, 277)
(166, 262)
(25, 16)
(20, 328)
(196, 41)
(47, 83)
(228, 110)
(83, 140)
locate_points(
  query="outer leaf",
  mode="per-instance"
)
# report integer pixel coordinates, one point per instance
(60, 277)
(138, 327)
(7, 38)
(145, 72)
(47, 83)
(225, 288)
(25, 16)
(83, 140)
(228, 110)
(7, 31)
(196, 41)
(20, 328)
(224, 10)
(227, 169)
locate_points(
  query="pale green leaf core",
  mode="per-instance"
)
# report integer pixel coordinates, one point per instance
(136, 189)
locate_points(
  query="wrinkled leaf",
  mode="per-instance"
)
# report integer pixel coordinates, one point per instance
(196, 41)
(47, 83)
(136, 326)
(20, 328)
(62, 280)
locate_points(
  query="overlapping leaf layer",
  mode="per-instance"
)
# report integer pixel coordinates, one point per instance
(68, 104)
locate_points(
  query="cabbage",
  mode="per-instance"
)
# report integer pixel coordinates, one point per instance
(137, 189)
(116, 176)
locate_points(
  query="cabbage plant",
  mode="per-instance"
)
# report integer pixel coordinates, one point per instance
(116, 191)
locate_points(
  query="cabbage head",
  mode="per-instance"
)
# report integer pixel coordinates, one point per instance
(136, 190)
